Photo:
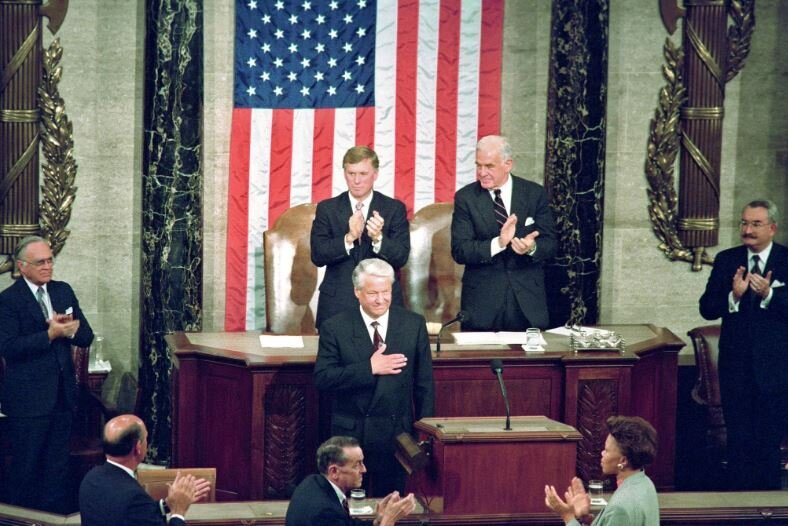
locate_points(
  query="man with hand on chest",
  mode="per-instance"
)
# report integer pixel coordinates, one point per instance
(375, 359)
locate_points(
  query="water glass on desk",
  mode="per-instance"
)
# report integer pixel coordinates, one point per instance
(533, 339)
(595, 490)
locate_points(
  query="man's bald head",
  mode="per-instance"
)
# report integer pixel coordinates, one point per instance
(122, 434)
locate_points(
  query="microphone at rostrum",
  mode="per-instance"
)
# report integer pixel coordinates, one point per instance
(460, 317)
(497, 368)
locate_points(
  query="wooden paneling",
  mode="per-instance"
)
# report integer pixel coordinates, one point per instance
(255, 415)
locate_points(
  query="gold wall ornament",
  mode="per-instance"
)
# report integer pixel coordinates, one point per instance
(688, 123)
(21, 71)
(57, 143)
(662, 150)
(739, 35)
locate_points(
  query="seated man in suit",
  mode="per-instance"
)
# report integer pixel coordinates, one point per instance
(321, 500)
(358, 224)
(40, 320)
(376, 361)
(110, 494)
(502, 230)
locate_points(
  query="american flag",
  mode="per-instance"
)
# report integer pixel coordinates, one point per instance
(417, 80)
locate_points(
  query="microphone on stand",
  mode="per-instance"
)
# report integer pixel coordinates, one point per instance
(497, 369)
(460, 317)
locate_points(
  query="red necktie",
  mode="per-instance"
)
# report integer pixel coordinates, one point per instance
(376, 339)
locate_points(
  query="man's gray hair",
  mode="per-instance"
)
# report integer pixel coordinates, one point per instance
(771, 209)
(332, 452)
(371, 267)
(21, 248)
(504, 148)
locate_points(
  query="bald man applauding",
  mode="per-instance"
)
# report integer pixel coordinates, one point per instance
(110, 494)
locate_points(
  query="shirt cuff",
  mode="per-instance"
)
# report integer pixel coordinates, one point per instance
(765, 301)
(733, 305)
(495, 248)
(376, 245)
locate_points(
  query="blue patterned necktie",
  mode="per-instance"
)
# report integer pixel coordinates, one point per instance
(41, 303)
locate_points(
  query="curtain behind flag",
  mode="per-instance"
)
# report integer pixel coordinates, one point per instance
(418, 81)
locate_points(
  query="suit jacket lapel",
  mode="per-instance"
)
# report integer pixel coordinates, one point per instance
(362, 349)
(392, 337)
(29, 301)
(519, 200)
(485, 210)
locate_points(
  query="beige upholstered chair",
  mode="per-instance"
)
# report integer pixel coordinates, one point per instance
(431, 280)
(290, 277)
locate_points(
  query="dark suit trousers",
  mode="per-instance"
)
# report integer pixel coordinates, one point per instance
(39, 476)
(384, 474)
(755, 423)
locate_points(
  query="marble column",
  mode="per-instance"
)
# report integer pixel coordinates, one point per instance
(172, 188)
(575, 155)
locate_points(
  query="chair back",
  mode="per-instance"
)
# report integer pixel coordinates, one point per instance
(431, 280)
(291, 280)
(155, 480)
(706, 392)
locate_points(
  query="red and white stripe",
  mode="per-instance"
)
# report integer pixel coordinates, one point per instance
(437, 90)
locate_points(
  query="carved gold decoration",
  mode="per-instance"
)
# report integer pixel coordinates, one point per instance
(739, 35)
(663, 147)
(676, 223)
(57, 142)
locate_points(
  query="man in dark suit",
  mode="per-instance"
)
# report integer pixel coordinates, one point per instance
(502, 230)
(358, 224)
(747, 290)
(321, 500)
(376, 361)
(110, 494)
(40, 320)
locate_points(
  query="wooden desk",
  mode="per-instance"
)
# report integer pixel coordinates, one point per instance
(476, 466)
(676, 509)
(255, 415)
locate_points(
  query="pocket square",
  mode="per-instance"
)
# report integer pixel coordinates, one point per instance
(529, 221)
(777, 283)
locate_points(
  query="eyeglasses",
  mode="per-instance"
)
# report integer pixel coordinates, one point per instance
(755, 225)
(40, 262)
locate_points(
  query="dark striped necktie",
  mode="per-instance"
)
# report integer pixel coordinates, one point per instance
(376, 338)
(754, 299)
(500, 210)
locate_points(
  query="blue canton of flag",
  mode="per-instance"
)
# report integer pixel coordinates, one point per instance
(305, 54)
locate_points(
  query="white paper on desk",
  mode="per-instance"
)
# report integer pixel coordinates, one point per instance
(564, 331)
(281, 341)
(483, 338)
(364, 510)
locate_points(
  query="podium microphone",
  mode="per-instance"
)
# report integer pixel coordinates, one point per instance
(460, 317)
(497, 369)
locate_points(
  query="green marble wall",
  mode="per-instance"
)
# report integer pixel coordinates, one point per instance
(172, 277)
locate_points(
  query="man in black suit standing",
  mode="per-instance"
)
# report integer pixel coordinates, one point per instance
(502, 230)
(40, 320)
(747, 290)
(376, 361)
(110, 494)
(321, 499)
(358, 224)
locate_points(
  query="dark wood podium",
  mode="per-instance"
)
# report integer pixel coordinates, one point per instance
(478, 467)
(255, 415)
